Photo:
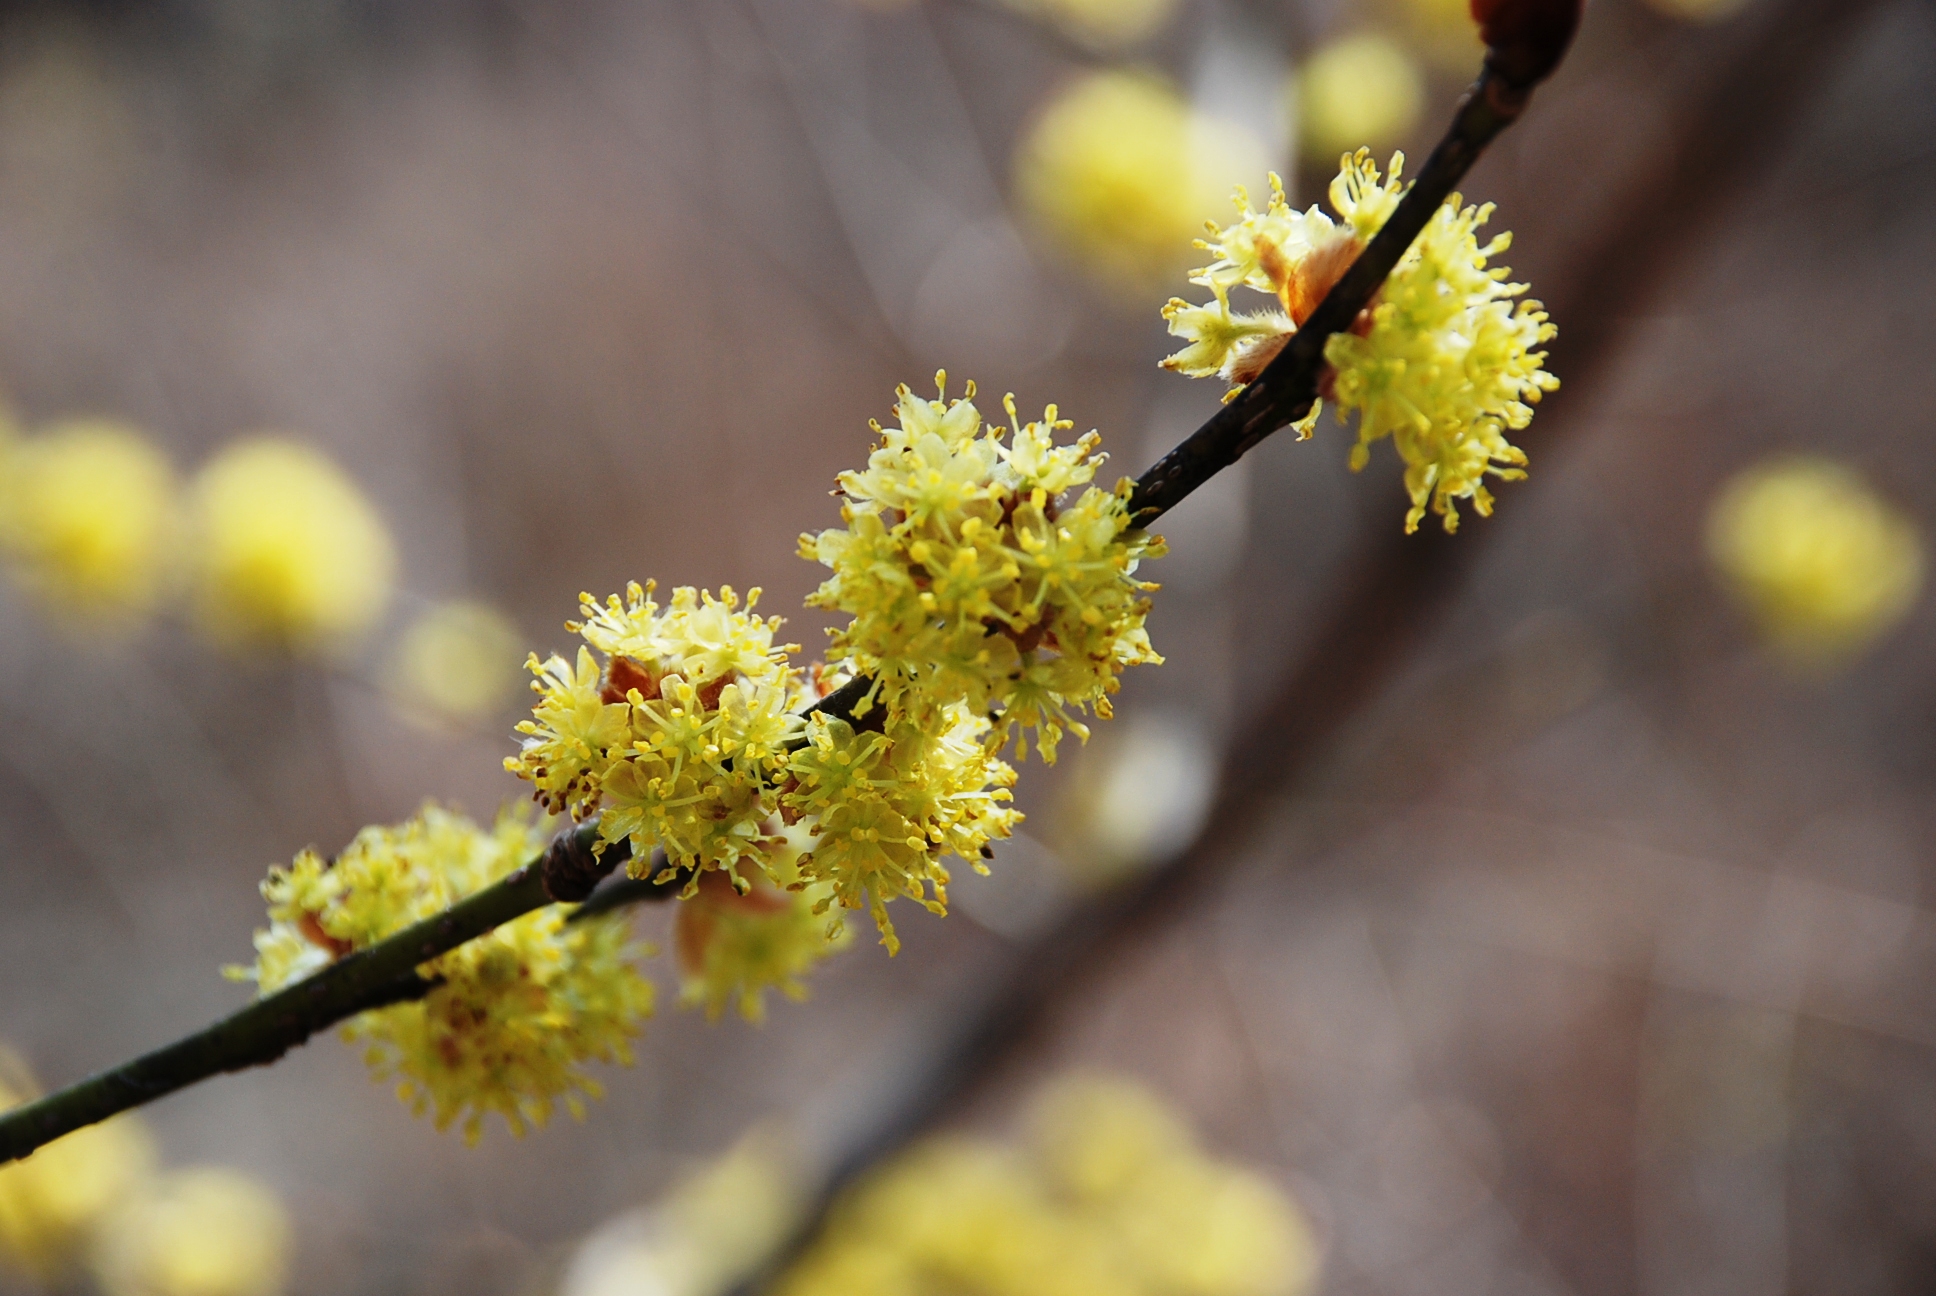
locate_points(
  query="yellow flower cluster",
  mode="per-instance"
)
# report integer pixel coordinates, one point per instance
(1107, 26)
(1823, 563)
(288, 554)
(198, 1232)
(687, 737)
(1361, 88)
(1118, 172)
(95, 1200)
(733, 946)
(51, 1202)
(513, 1015)
(678, 733)
(1110, 1196)
(274, 545)
(1443, 361)
(90, 522)
(972, 581)
(886, 808)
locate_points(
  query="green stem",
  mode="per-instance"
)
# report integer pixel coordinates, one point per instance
(383, 974)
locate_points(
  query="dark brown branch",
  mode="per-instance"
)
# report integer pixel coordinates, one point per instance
(1286, 390)
(385, 973)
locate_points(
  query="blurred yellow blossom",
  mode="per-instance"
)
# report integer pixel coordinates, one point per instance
(89, 522)
(1441, 361)
(457, 661)
(289, 554)
(1445, 32)
(1119, 172)
(1102, 25)
(51, 1202)
(1360, 90)
(1699, 11)
(1823, 564)
(197, 1232)
(712, 1231)
(1111, 1196)
(514, 1014)
(733, 946)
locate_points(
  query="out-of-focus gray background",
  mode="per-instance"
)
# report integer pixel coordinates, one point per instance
(1593, 957)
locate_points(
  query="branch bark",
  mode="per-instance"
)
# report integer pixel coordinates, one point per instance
(386, 973)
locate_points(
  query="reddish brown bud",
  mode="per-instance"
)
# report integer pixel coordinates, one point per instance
(622, 675)
(1526, 39)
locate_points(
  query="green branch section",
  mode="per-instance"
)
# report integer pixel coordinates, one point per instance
(383, 974)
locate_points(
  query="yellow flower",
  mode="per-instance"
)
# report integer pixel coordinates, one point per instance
(1442, 360)
(90, 521)
(1825, 566)
(886, 808)
(457, 661)
(733, 946)
(51, 1202)
(1118, 1200)
(1362, 89)
(1119, 172)
(1445, 32)
(198, 1232)
(971, 577)
(513, 1015)
(688, 737)
(289, 554)
(1699, 11)
(678, 736)
(1102, 25)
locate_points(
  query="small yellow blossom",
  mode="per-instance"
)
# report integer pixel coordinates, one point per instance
(1120, 171)
(1825, 566)
(886, 809)
(90, 522)
(972, 579)
(1361, 89)
(458, 661)
(734, 946)
(1699, 11)
(1102, 25)
(514, 1014)
(197, 1232)
(1113, 1197)
(688, 737)
(713, 1230)
(1442, 360)
(288, 553)
(678, 734)
(51, 1202)
(1444, 31)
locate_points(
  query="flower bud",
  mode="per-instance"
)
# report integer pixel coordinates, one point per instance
(1526, 39)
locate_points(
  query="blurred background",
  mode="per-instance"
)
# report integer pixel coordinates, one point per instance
(1540, 910)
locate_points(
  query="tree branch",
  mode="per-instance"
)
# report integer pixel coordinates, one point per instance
(570, 868)
(385, 973)
(1286, 390)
